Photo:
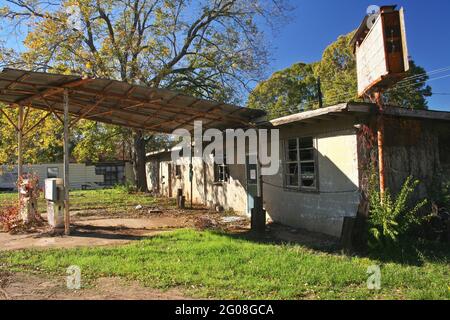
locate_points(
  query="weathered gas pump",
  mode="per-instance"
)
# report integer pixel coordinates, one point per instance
(54, 194)
(28, 199)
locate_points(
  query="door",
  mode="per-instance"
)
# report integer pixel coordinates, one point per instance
(252, 181)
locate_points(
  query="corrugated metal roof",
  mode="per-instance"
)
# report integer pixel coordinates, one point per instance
(344, 109)
(119, 103)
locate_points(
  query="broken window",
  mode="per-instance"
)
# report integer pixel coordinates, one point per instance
(221, 171)
(300, 165)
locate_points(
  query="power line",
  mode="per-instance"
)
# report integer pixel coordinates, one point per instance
(413, 77)
(417, 83)
(400, 85)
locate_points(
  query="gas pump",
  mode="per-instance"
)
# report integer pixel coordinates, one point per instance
(54, 194)
(28, 199)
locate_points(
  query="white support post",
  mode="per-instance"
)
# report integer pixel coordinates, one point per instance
(20, 147)
(66, 163)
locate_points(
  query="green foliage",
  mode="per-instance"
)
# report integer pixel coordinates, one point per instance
(391, 219)
(208, 49)
(107, 201)
(411, 94)
(337, 70)
(288, 91)
(293, 90)
(41, 145)
(127, 187)
(95, 141)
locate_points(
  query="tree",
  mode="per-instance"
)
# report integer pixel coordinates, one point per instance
(288, 91)
(412, 92)
(40, 146)
(337, 71)
(293, 89)
(210, 48)
(95, 142)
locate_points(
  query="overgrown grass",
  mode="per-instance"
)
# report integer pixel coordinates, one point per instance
(112, 200)
(211, 265)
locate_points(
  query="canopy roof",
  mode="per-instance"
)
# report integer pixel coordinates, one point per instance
(119, 103)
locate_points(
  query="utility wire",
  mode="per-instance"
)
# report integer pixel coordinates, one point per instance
(425, 73)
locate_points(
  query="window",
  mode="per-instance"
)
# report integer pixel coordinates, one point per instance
(300, 167)
(52, 173)
(112, 174)
(178, 171)
(220, 172)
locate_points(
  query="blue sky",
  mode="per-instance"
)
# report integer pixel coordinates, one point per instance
(316, 24)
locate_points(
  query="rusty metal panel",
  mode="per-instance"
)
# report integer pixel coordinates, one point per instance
(120, 103)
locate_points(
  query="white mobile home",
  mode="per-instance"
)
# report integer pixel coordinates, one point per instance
(81, 175)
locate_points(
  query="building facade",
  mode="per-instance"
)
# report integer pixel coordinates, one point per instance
(325, 160)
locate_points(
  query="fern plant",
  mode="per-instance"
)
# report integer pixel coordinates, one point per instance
(391, 218)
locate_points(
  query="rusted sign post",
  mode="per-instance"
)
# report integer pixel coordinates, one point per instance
(382, 60)
(380, 142)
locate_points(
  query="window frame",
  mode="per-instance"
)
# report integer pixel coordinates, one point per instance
(217, 171)
(286, 162)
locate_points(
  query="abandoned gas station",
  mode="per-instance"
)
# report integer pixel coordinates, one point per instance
(322, 178)
(71, 98)
(325, 155)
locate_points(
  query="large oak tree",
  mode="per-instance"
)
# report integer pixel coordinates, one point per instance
(207, 48)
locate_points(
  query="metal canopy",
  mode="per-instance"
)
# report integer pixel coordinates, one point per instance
(119, 103)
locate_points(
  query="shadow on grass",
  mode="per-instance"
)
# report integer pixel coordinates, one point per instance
(414, 252)
(411, 252)
(101, 232)
(278, 234)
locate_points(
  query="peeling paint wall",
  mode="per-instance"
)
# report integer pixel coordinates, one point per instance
(230, 195)
(412, 147)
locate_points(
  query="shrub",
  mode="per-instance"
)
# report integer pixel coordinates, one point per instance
(391, 219)
(9, 217)
(128, 187)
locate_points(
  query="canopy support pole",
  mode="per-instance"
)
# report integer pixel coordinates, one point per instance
(20, 148)
(66, 163)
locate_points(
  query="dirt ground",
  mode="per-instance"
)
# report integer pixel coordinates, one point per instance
(22, 286)
(101, 230)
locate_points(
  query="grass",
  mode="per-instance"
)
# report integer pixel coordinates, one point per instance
(110, 201)
(212, 265)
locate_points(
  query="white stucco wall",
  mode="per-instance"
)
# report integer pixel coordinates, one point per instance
(322, 211)
(231, 195)
(338, 194)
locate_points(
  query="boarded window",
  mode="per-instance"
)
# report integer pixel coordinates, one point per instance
(300, 164)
